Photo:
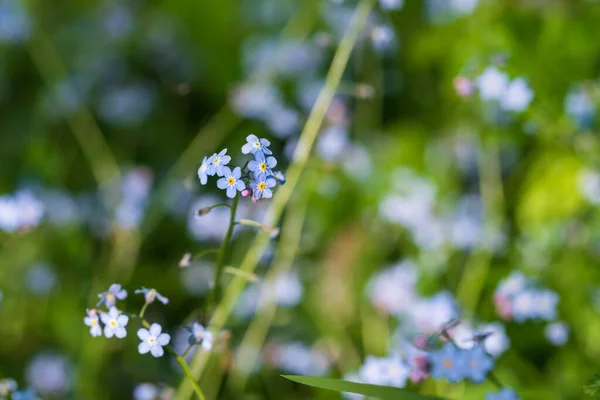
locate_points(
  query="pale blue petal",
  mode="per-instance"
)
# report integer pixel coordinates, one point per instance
(155, 330)
(143, 347)
(222, 183)
(267, 151)
(231, 192)
(225, 160)
(157, 351)
(252, 138)
(123, 320)
(240, 185)
(265, 142)
(220, 170)
(259, 156)
(253, 165)
(271, 162)
(109, 332)
(143, 334)
(257, 194)
(163, 339)
(222, 153)
(105, 318)
(271, 182)
(120, 332)
(247, 148)
(267, 193)
(237, 173)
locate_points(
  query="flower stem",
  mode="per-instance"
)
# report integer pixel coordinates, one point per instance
(185, 353)
(216, 294)
(143, 310)
(186, 370)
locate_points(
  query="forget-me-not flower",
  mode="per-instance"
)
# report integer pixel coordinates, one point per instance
(492, 84)
(203, 172)
(92, 321)
(200, 335)
(110, 297)
(27, 394)
(503, 394)
(231, 181)
(217, 163)
(153, 340)
(255, 145)
(478, 364)
(114, 323)
(261, 166)
(262, 187)
(390, 371)
(151, 295)
(557, 333)
(279, 177)
(7, 386)
(449, 363)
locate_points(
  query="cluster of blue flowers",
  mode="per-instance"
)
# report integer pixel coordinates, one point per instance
(153, 339)
(8, 390)
(256, 178)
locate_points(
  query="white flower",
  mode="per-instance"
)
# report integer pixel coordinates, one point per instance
(517, 96)
(384, 371)
(492, 84)
(92, 321)
(557, 333)
(153, 340)
(114, 323)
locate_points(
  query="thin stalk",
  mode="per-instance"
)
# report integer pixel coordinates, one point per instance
(280, 200)
(187, 372)
(143, 311)
(223, 252)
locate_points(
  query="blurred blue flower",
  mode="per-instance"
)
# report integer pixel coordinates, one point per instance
(449, 362)
(231, 181)
(217, 162)
(50, 374)
(203, 172)
(391, 4)
(114, 323)
(145, 391)
(110, 297)
(153, 340)
(92, 321)
(546, 303)
(7, 386)
(254, 145)
(151, 295)
(389, 371)
(15, 23)
(261, 166)
(492, 84)
(262, 187)
(517, 96)
(27, 394)
(478, 364)
(200, 335)
(503, 394)
(127, 105)
(557, 333)
(523, 306)
(580, 107)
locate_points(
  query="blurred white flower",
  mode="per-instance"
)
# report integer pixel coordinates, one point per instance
(391, 4)
(589, 185)
(557, 333)
(333, 142)
(492, 84)
(579, 106)
(40, 279)
(393, 289)
(50, 374)
(517, 96)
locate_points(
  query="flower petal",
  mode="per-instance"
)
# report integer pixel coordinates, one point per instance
(247, 148)
(109, 332)
(240, 185)
(251, 138)
(122, 294)
(104, 317)
(222, 183)
(259, 156)
(162, 298)
(143, 347)
(267, 193)
(114, 313)
(157, 351)
(271, 162)
(265, 142)
(143, 333)
(120, 332)
(223, 152)
(237, 172)
(225, 160)
(163, 339)
(253, 165)
(271, 182)
(155, 329)
(123, 320)
(231, 192)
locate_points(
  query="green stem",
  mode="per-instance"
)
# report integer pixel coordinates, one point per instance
(223, 252)
(143, 311)
(205, 252)
(186, 371)
(185, 353)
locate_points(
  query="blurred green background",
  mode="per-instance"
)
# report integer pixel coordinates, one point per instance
(428, 155)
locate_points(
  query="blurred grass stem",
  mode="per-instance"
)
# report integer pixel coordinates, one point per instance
(215, 296)
(280, 200)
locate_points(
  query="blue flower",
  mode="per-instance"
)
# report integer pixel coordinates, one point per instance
(217, 162)
(198, 334)
(231, 181)
(92, 321)
(114, 323)
(504, 394)
(262, 187)
(279, 177)
(153, 340)
(203, 172)
(7, 385)
(151, 295)
(478, 364)
(261, 166)
(110, 297)
(255, 145)
(449, 363)
(27, 394)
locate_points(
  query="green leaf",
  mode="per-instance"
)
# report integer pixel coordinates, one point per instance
(339, 385)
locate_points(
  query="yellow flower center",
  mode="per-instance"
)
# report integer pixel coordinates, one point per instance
(110, 298)
(217, 161)
(151, 340)
(94, 322)
(447, 363)
(256, 144)
(262, 166)
(113, 323)
(261, 186)
(231, 181)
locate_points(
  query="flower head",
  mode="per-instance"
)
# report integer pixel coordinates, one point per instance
(7, 386)
(27, 394)
(217, 163)
(151, 295)
(384, 371)
(200, 335)
(231, 181)
(114, 323)
(448, 362)
(261, 166)
(153, 340)
(477, 364)
(255, 145)
(110, 297)
(262, 187)
(92, 321)
(279, 177)
(203, 171)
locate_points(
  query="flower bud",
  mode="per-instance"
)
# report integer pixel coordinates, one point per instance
(186, 260)
(150, 296)
(203, 211)
(245, 192)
